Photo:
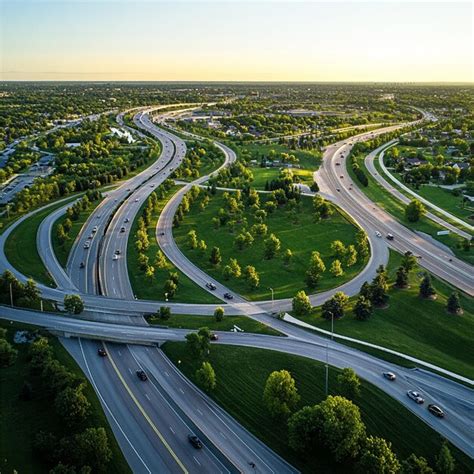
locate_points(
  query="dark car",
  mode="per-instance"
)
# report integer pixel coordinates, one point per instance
(390, 376)
(195, 441)
(389, 237)
(101, 352)
(141, 375)
(436, 410)
(211, 286)
(117, 252)
(81, 265)
(228, 296)
(214, 337)
(122, 229)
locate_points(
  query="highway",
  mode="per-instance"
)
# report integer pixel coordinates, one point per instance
(457, 400)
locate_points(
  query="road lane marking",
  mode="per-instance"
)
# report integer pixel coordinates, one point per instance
(197, 462)
(147, 396)
(172, 430)
(146, 416)
(199, 411)
(181, 390)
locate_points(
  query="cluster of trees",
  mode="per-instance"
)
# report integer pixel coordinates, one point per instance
(21, 159)
(236, 175)
(414, 211)
(427, 291)
(8, 353)
(196, 153)
(79, 447)
(184, 206)
(347, 256)
(14, 291)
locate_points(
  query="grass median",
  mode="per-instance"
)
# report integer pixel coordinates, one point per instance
(241, 374)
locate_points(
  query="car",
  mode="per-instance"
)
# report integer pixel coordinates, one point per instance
(389, 237)
(152, 185)
(162, 233)
(115, 257)
(142, 375)
(99, 216)
(378, 234)
(101, 352)
(87, 244)
(195, 441)
(95, 229)
(117, 252)
(126, 220)
(214, 337)
(415, 396)
(122, 229)
(91, 236)
(128, 190)
(81, 265)
(228, 296)
(390, 376)
(136, 200)
(436, 410)
(338, 164)
(342, 177)
(338, 190)
(211, 286)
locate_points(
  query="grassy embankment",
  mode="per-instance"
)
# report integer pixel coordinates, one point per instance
(241, 375)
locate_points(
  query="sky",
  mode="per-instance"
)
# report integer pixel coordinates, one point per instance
(148, 40)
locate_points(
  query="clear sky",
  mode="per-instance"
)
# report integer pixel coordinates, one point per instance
(238, 41)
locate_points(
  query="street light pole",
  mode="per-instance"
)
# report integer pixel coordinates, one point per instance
(271, 289)
(11, 295)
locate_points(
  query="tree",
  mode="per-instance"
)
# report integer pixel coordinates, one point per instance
(363, 308)
(453, 305)
(379, 290)
(150, 272)
(199, 342)
(93, 449)
(444, 460)
(341, 428)
(215, 258)
(202, 246)
(401, 280)
(61, 234)
(192, 239)
(362, 244)
(8, 353)
(426, 288)
(271, 246)
(303, 429)
(409, 262)
(280, 394)
(73, 304)
(287, 257)
(236, 271)
(206, 377)
(351, 256)
(349, 383)
(164, 313)
(316, 267)
(170, 288)
(336, 268)
(251, 276)
(416, 465)
(160, 260)
(334, 307)
(72, 405)
(219, 313)
(414, 211)
(301, 303)
(227, 272)
(377, 457)
(338, 249)
(30, 290)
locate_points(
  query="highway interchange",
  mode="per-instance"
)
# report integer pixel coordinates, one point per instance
(152, 439)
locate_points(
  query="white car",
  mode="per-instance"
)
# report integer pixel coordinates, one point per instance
(95, 229)
(115, 257)
(415, 396)
(87, 244)
(378, 234)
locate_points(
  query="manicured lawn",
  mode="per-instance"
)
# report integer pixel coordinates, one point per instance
(62, 250)
(194, 321)
(262, 175)
(397, 209)
(21, 420)
(187, 292)
(414, 326)
(241, 375)
(21, 251)
(301, 237)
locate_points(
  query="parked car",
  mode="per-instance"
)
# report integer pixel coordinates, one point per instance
(436, 410)
(101, 352)
(211, 286)
(195, 441)
(390, 376)
(415, 396)
(142, 375)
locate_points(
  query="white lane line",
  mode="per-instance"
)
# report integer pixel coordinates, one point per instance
(199, 411)
(146, 395)
(181, 390)
(166, 373)
(119, 353)
(130, 370)
(197, 462)
(222, 434)
(172, 430)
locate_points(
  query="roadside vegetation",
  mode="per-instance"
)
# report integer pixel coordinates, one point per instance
(281, 240)
(51, 416)
(240, 382)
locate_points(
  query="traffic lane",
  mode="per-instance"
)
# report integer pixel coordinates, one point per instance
(224, 431)
(173, 429)
(136, 440)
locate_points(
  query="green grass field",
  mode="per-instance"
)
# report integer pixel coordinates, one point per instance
(187, 292)
(241, 374)
(21, 420)
(262, 175)
(417, 327)
(195, 321)
(20, 247)
(397, 209)
(301, 237)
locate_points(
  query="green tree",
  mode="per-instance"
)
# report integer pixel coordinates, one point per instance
(280, 394)
(192, 239)
(30, 290)
(301, 303)
(350, 256)
(401, 280)
(379, 290)
(219, 313)
(453, 304)
(215, 258)
(236, 271)
(92, 448)
(334, 307)
(377, 457)
(8, 353)
(409, 261)
(415, 211)
(202, 246)
(316, 267)
(444, 460)
(72, 405)
(170, 288)
(349, 383)
(338, 249)
(199, 342)
(303, 429)
(363, 308)
(426, 288)
(164, 313)
(251, 276)
(73, 304)
(287, 257)
(160, 260)
(206, 377)
(271, 246)
(416, 465)
(336, 268)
